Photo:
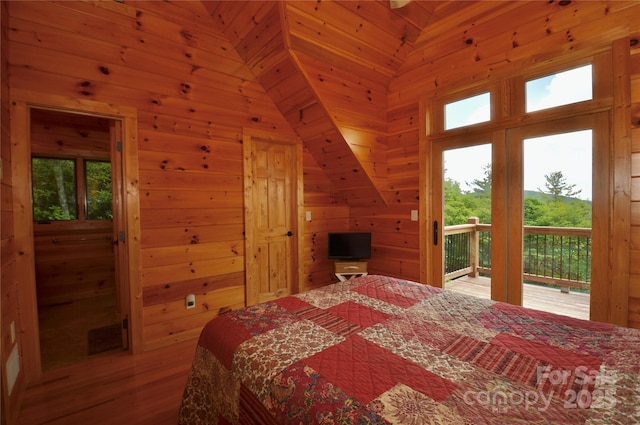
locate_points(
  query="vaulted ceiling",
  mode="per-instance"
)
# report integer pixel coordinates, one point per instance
(327, 65)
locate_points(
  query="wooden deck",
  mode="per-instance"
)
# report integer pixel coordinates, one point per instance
(573, 304)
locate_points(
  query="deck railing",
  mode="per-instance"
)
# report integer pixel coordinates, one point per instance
(559, 256)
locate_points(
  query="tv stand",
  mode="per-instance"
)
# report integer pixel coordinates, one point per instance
(346, 270)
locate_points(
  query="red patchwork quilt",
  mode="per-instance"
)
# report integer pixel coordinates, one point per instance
(380, 350)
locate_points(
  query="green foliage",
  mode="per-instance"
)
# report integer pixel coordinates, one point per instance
(556, 187)
(558, 257)
(54, 189)
(557, 207)
(458, 206)
(98, 190)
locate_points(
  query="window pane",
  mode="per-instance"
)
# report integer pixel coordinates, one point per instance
(54, 189)
(550, 176)
(558, 194)
(467, 184)
(471, 110)
(563, 88)
(98, 176)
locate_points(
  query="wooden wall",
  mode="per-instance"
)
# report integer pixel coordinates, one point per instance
(327, 214)
(9, 277)
(194, 95)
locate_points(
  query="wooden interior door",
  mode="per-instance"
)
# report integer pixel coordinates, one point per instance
(271, 229)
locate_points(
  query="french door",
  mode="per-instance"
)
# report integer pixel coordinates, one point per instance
(516, 154)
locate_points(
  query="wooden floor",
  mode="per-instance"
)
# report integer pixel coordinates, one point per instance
(64, 329)
(573, 304)
(116, 389)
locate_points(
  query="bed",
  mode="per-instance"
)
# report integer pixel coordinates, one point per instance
(377, 349)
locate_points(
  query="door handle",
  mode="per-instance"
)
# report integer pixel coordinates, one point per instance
(289, 233)
(435, 232)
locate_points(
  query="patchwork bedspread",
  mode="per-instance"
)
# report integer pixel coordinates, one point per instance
(381, 350)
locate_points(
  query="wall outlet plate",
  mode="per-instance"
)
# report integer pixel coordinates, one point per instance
(190, 301)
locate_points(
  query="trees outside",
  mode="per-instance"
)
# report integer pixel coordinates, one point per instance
(556, 187)
(556, 205)
(99, 198)
(54, 189)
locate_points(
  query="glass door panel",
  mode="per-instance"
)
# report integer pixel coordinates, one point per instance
(466, 233)
(530, 188)
(557, 210)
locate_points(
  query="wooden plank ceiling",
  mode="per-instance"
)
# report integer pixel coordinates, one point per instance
(327, 66)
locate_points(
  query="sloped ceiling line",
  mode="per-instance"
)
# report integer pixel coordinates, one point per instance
(263, 42)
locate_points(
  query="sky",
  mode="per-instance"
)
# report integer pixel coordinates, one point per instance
(569, 153)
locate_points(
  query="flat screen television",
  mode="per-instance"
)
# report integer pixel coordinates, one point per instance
(349, 245)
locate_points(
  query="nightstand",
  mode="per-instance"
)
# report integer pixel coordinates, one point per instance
(346, 270)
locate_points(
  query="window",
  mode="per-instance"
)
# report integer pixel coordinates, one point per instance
(61, 185)
(471, 110)
(562, 88)
(511, 190)
(54, 189)
(98, 192)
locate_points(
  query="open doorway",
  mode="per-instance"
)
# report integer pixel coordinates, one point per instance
(80, 304)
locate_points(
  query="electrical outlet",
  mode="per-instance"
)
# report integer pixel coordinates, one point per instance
(308, 215)
(190, 301)
(414, 215)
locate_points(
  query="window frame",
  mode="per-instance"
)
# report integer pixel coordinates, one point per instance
(607, 103)
(437, 118)
(508, 98)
